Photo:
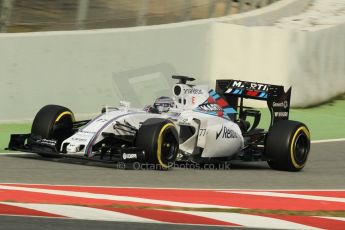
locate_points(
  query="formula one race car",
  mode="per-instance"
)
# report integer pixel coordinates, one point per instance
(196, 125)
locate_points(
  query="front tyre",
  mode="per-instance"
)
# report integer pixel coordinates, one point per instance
(159, 138)
(287, 145)
(53, 122)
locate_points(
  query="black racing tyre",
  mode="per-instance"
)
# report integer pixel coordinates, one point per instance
(53, 122)
(159, 138)
(287, 145)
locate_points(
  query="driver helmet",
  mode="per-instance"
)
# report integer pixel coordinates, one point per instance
(163, 104)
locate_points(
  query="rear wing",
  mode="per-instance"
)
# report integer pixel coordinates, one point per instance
(278, 101)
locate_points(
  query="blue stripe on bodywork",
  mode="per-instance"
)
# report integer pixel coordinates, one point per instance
(212, 92)
(262, 94)
(229, 110)
(216, 97)
(236, 91)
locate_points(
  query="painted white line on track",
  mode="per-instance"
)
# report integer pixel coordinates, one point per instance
(328, 140)
(84, 213)
(17, 153)
(112, 197)
(285, 195)
(332, 218)
(248, 220)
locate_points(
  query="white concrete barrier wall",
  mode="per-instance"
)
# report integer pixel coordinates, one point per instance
(311, 62)
(317, 61)
(85, 70)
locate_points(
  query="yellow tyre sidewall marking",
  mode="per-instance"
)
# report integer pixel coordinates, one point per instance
(306, 132)
(159, 144)
(64, 114)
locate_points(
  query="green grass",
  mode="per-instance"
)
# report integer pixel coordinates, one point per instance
(325, 122)
(7, 129)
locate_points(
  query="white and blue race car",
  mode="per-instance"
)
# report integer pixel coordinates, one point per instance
(195, 125)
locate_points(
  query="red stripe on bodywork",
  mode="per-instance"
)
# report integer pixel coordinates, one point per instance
(211, 100)
(222, 103)
(252, 93)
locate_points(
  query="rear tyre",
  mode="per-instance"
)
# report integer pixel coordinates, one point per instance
(287, 145)
(53, 122)
(159, 138)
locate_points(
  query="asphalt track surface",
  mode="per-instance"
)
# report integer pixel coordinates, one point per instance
(325, 170)
(32, 223)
